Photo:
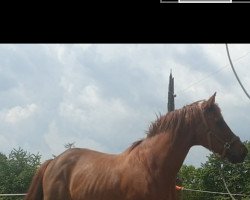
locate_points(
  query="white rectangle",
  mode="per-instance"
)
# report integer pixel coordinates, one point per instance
(205, 1)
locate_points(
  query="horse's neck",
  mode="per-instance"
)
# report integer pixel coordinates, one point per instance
(165, 153)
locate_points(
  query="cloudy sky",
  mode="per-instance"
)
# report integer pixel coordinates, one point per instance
(104, 96)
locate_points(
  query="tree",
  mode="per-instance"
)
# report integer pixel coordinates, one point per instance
(16, 172)
(191, 179)
(236, 176)
(211, 176)
(69, 145)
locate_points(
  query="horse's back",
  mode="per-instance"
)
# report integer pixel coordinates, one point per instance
(83, 174)
(95, 175)
(73, 170)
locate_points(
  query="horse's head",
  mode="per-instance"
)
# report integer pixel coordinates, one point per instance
(219, 137)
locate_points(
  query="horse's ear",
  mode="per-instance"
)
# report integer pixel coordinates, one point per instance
(210, 101)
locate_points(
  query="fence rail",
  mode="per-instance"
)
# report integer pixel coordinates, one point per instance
(212, 192)
(184, 189)
(6, 195)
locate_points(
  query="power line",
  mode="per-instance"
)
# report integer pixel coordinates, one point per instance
(224, 182)
(212, 192)
(211, 74)
(231, 63)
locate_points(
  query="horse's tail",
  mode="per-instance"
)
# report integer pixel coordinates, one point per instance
(35, 191)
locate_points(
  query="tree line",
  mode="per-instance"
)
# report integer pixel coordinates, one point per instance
(215, 175)
(18, 168)
(16, 172)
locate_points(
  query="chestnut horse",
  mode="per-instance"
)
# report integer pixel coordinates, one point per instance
(146, 170)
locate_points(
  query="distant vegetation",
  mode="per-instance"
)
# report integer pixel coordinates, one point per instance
(209, 177)
(16, 172)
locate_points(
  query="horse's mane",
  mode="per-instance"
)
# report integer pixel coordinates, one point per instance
(172, 121)
(175, 120)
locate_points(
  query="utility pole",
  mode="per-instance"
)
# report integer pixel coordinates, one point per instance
(171, 95)
(171, 107)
